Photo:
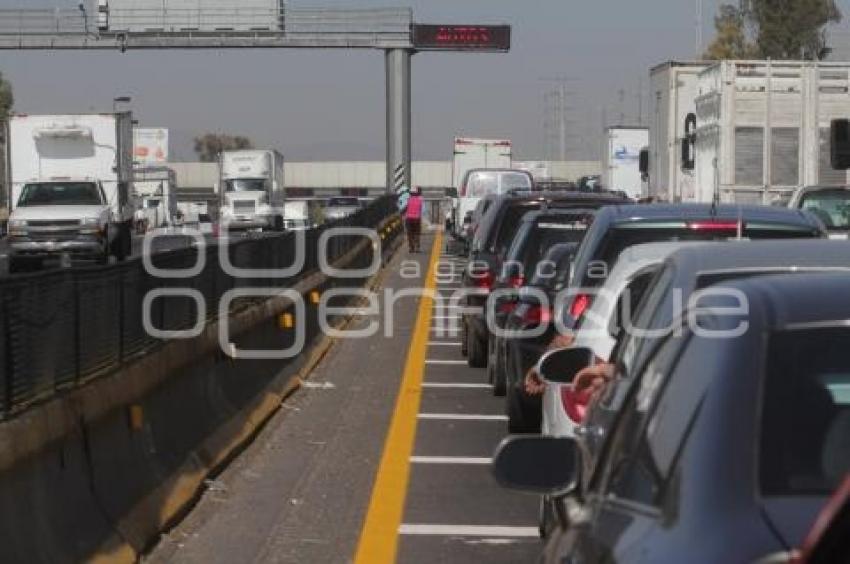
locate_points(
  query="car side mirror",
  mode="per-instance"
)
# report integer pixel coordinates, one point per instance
(451, 193)
(560, 366)
(644, 163)
(539, 465)
(467, 219)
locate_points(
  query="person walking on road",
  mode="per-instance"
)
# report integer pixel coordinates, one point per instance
(413, 220)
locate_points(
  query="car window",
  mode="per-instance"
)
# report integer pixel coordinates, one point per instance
(634, 473)
(831, 206)
(630, 343)
(805, 428)
(482, 184)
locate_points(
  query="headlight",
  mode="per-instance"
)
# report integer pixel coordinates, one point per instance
(90, 222)
(17, 223)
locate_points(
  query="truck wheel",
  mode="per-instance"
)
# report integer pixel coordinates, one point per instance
(121, 243)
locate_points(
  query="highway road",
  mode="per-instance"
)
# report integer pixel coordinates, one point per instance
(400, 469)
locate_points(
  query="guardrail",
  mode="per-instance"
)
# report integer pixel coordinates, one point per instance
(62, 329)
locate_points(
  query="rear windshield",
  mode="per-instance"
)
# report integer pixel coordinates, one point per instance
(831, 206)
(620, 238)
(486, 183)
(531, 245)
(500, 237)
(343, 202)
(805, 432)
(60, 194)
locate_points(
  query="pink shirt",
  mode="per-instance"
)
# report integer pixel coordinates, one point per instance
(414, 208)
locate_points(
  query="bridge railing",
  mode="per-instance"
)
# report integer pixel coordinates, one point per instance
(62, 329)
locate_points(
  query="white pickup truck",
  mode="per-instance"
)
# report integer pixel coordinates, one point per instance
(70, 184)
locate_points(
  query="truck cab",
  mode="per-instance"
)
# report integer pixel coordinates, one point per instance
(59, 217)
(251, 190)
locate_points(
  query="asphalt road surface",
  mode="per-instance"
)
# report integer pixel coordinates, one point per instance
(384, 455)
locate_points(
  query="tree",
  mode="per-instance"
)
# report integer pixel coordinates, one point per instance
(731, 39)
(210, 145)
(793, 29)
(6, 98)
(773, 29)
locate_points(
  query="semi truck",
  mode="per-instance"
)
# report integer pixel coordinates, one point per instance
(252, 194)
(762, 129)
(70, 179)
(621, 172)
(672, 98)
(190, 16)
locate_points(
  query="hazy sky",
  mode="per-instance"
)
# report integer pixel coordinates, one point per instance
(329, 105)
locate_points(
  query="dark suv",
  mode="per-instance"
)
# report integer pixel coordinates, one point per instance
(538, 231)
(489, 248)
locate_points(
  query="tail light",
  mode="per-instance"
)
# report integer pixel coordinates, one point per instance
(537, 315)
(507, 307)
(575, 403)
(516, 281)
(483, 279)
(579, 306)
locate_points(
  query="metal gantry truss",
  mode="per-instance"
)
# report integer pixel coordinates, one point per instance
(383, 28)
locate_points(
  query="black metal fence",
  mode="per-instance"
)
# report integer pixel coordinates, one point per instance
(62, 328)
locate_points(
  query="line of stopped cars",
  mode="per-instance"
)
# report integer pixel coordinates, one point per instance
(676, 376)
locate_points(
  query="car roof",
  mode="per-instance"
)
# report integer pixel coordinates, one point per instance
(561, 195)
(797, 301)
(648, 212)
(742, 255)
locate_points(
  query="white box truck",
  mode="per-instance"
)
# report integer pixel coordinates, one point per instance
(472, 154)
(252, 194)
(70, 178)
(621, 161)
(156, 193)
(763, 128)
(206, 16)
(673, 93)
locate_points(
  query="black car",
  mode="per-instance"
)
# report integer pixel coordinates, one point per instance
(732, 436)
(489, 248)
(617, 228)
(538, 231)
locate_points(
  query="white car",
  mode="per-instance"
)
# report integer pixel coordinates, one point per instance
(628, 279)
(480, 183)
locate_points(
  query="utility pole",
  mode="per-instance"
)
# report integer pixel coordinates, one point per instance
(699, 22)
(556, 109)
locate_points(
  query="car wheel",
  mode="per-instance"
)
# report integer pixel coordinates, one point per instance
(476, 351)
(545, 517)
(521, 420)
(464, 351)
(499, 381)
(491, 361)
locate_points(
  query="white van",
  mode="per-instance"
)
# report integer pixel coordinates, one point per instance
(479, 183)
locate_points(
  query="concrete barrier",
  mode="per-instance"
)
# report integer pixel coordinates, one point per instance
(100, 472)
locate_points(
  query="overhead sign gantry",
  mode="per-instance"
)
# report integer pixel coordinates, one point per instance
(107, 24)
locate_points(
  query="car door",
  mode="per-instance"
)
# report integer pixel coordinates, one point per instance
(622, 501)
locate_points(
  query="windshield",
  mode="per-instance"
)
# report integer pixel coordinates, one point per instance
(806, 414)
(830, 206)
(60, 194)
(245, 185)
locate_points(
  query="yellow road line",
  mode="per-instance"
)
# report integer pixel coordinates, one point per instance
(379, 537)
